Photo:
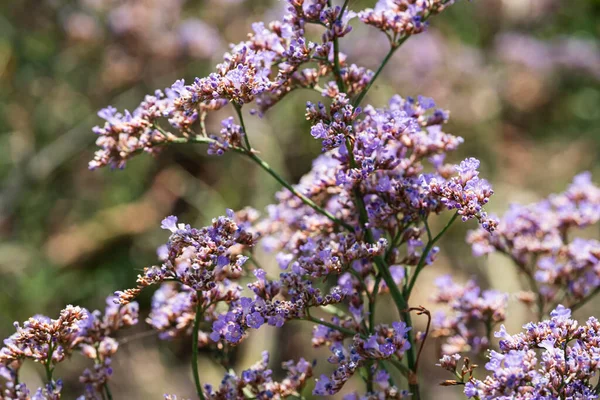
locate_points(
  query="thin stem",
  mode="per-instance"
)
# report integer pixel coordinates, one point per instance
(238, 110)
(341, 329)
(302, 197)
(382, 365)
(369, 381)
(273, 173)
(420, 311)
(399, 366)
(107, 390)
(382, 268)
(385, 274)
(197, 319)
(387, 58)
(48, 365)
(585, 300)
(395, 44)
(199, 139)
(488, 331)
(413, 382)
(252, 155)
(336, 65)
(344, 6)
(426, 250)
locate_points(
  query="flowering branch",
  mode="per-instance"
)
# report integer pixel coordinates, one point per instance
(265, 166)
(423, 260)
(329, 325)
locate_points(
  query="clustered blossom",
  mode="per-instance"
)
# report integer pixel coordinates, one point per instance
(42, 340)
(230, 137)
(473, 315)
(274, 303)
(264, 68)
(335, 126)
(174, 308)
(555, 358)
(386, 342)
(389, 147)
(126, 134)
(51, 341)
(401, 18)
(96, 341)
(198, 258)
(257, 382)
(537, 237)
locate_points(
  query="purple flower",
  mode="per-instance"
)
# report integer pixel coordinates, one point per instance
(255, 320)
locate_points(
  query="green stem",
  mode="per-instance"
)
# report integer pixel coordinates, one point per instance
(423, 259)
(489, 329)
(238, 110)
(273, 173)
(48, 365)
(336, 66)
(337, 70)
(248, 151)
(385, 274)
(302, 197)
(344, 6)
(399, 366)
(341, 329)
(387, 58)
(195, 346)
(382, 268)
(369, 381)
(585, 300)
(411, 358)
(107, 390)
(199, 139)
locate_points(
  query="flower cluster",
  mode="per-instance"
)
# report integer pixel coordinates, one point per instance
(555, 358)
(96, 341)
(42, 340)
(257, 382)
(126, 134)
(356, 227)
(197, 258)
(230, 137)
(264, 68)
(274, 303)
(402, 18)
(51, 341)
(385, 343)
(537, 237)
(474, 314)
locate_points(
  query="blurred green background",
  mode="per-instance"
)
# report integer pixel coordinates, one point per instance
(520, 77)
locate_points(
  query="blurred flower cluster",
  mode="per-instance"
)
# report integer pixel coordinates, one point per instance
(539, 239)
(51, 341)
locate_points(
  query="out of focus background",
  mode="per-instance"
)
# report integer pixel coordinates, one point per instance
(520, 77)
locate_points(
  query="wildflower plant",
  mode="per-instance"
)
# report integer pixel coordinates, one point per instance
(354, 229)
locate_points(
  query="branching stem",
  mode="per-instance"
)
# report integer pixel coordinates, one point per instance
(199, 313)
